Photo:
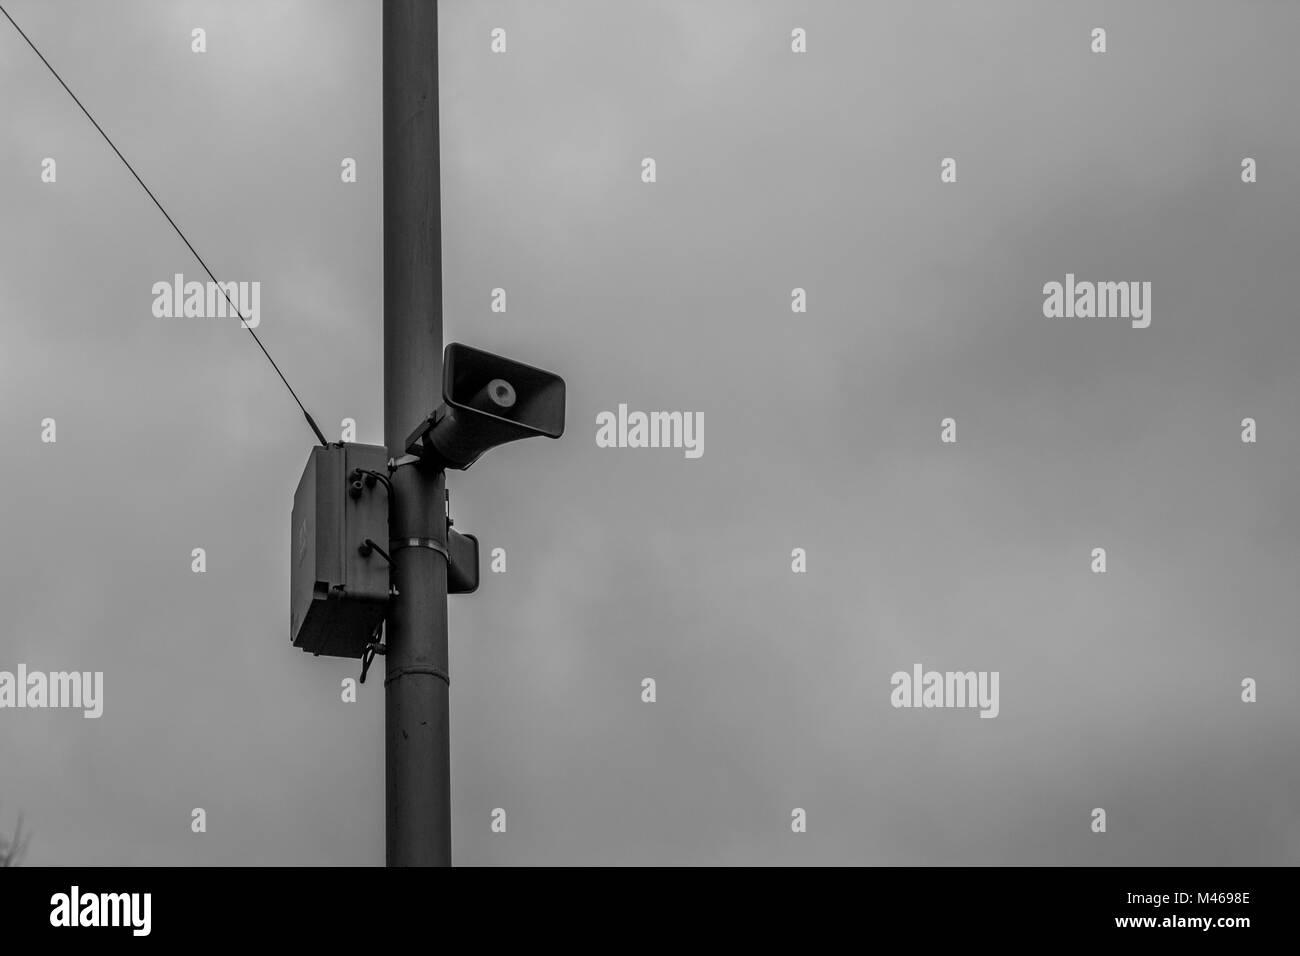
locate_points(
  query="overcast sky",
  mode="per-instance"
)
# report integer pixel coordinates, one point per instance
(775, 171)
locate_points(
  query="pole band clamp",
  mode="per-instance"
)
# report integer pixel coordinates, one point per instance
(396, 544)
(429, 669)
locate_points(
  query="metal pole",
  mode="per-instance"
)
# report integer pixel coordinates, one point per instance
(418, 747)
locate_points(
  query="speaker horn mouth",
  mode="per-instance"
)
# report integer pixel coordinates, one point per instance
(496, 395)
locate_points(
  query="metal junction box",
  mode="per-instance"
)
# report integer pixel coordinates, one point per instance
(337, 595)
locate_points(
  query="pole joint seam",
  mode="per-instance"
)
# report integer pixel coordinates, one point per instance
(428, 669)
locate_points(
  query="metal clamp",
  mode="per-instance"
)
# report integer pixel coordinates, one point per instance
(396, 544)
(395, 463)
